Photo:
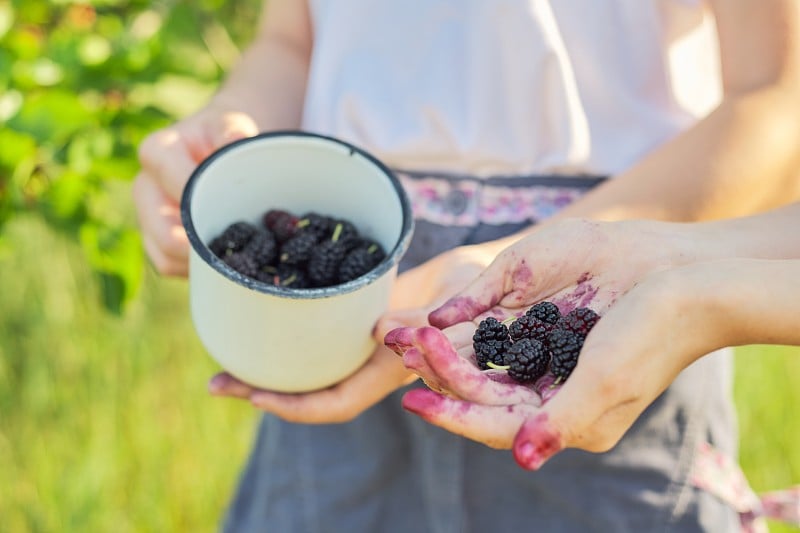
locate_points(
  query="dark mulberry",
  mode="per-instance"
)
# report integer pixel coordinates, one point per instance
(527, 360)
(360, 260)
(292, 277)
(233, 239)
(565, 347)
(242, 263)
(545, 311)
(320, 225)
(529, 327)
(490, 341)
(297, 250)
(262, 248)
(580, 320)
(281, 223)
(323, 265)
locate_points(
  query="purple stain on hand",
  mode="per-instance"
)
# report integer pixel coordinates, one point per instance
(581, 296)
(423, 402)
(434, 406)
(546, 387)
(536, 442)
(455, 310)
(400, 339)
(460, 376)
(522, 276)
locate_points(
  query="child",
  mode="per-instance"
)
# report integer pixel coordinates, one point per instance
(497, 116)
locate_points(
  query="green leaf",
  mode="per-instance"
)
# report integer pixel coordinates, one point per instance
(15, 147)
(116, 255)
(65, 201)
(6, 17)
(52, 116)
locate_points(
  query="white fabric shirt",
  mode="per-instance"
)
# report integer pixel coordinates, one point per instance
(510, 86)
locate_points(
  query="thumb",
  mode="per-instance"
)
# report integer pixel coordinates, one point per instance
(481, 294)
(582, 414)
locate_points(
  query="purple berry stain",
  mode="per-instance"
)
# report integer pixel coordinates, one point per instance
(455, 310)
(536, 442)
(583, 294)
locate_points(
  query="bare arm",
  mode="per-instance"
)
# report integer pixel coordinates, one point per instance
(263, 92)
(743, 157)
(269, 81)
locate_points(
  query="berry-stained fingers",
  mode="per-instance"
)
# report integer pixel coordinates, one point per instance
(401, 341)
(494, 426)
(536, 442)
(462, 378)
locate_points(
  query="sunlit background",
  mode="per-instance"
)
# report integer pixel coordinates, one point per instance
(105, 423)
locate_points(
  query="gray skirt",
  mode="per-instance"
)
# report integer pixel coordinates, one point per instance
(388, 471)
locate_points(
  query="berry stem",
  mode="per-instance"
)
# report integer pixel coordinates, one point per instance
(336, 232)
(497, 367)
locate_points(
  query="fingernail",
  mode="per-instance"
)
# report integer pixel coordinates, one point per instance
(216, 384)
(398, 340)
(536, 443)
(528, 456)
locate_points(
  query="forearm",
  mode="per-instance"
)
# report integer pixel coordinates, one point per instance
(741, 301)
(741, 159)
(268, 83)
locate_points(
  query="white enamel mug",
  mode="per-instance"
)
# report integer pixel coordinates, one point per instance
(290, 340)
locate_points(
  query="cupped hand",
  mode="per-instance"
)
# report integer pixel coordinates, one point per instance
(167, 159)
(574, 263)
(415, 293)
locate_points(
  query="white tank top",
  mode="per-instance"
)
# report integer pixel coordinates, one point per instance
(510, 86)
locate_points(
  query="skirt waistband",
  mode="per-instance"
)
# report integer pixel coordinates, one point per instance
(457, 200)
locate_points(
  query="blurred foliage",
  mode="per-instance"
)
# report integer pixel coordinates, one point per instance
(81, 84)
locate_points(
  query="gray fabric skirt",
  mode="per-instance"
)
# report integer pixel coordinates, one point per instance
(388, 471)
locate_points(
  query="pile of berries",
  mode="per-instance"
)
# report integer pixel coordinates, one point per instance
(539, 341)
(299, 252)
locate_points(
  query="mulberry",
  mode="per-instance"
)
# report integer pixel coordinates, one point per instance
(320, 225)
(580, 320)
(545, 311)
(527, 360)
(490, 341)
(565, 347)
(281, 223)
(233, 238)
(323, 265)
(242, 263)
(360, 260)
(529, 327)
(292, 277)
(262, 248)
(297, 250)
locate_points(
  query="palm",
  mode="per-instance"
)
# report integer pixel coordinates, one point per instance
(561, 264)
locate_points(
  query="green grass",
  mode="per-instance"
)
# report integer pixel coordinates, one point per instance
(105, 423)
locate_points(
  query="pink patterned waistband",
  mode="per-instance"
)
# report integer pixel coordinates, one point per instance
(467, 201)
